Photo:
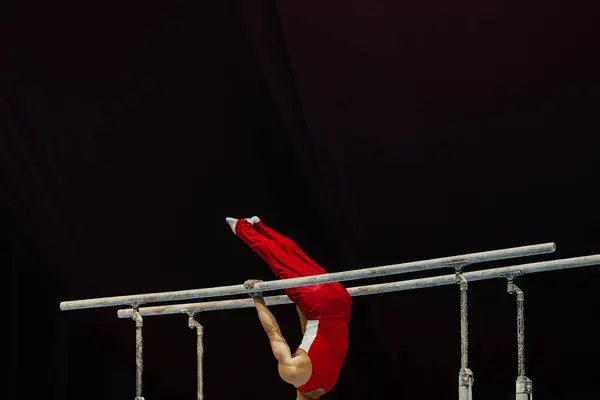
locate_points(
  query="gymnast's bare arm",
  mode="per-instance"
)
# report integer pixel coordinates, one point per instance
(293, 370)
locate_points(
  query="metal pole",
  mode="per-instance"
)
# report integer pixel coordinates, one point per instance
(421, 283)
(364, 273)
(524, 385)
(192, 323)
(139, 356)
(465, 375)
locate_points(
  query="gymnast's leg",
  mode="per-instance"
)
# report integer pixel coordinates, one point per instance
(282, 254)
(287, 260)
(310, 267)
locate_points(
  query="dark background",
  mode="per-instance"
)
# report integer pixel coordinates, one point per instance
(371, 132)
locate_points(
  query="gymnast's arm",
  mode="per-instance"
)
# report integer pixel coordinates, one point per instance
(287, 364)
(280, 348)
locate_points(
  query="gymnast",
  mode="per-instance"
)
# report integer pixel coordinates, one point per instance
(324, 312)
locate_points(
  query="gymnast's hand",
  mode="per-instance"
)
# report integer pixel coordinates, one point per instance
(249, 284)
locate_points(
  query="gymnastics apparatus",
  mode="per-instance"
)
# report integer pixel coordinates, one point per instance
(524, 387)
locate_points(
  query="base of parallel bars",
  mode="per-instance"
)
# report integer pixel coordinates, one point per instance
(524, 388)
(465, 384)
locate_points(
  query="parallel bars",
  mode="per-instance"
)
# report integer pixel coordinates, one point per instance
(523, 385)
(462, 260)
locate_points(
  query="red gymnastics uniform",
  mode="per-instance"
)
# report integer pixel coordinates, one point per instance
(326, 306)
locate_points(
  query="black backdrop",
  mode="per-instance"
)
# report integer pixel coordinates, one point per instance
(371, 133)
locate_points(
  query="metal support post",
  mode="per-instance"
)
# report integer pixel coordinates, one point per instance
(139, 357)
(465, 376)
(524, 386)
(192, 323)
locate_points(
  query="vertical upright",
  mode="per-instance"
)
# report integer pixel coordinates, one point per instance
(139, 357)
(465, 376)
(192, 323)
(524, 386)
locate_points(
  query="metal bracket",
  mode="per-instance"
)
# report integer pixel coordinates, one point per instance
(465, 377)
(135, 304)
(524, 388)
(192, 323)
(461, 279)
(458, 264)
(512, 276)
(465, 384)
(511, 288)
(137, 317)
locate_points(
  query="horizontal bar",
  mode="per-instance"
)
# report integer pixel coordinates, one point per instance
(465, 259)
(504, 272)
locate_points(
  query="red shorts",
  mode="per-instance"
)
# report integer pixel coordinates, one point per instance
(327, 307)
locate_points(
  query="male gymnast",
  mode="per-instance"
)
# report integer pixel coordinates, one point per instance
(324, 311)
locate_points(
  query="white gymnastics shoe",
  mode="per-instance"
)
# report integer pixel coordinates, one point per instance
(232, 223)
